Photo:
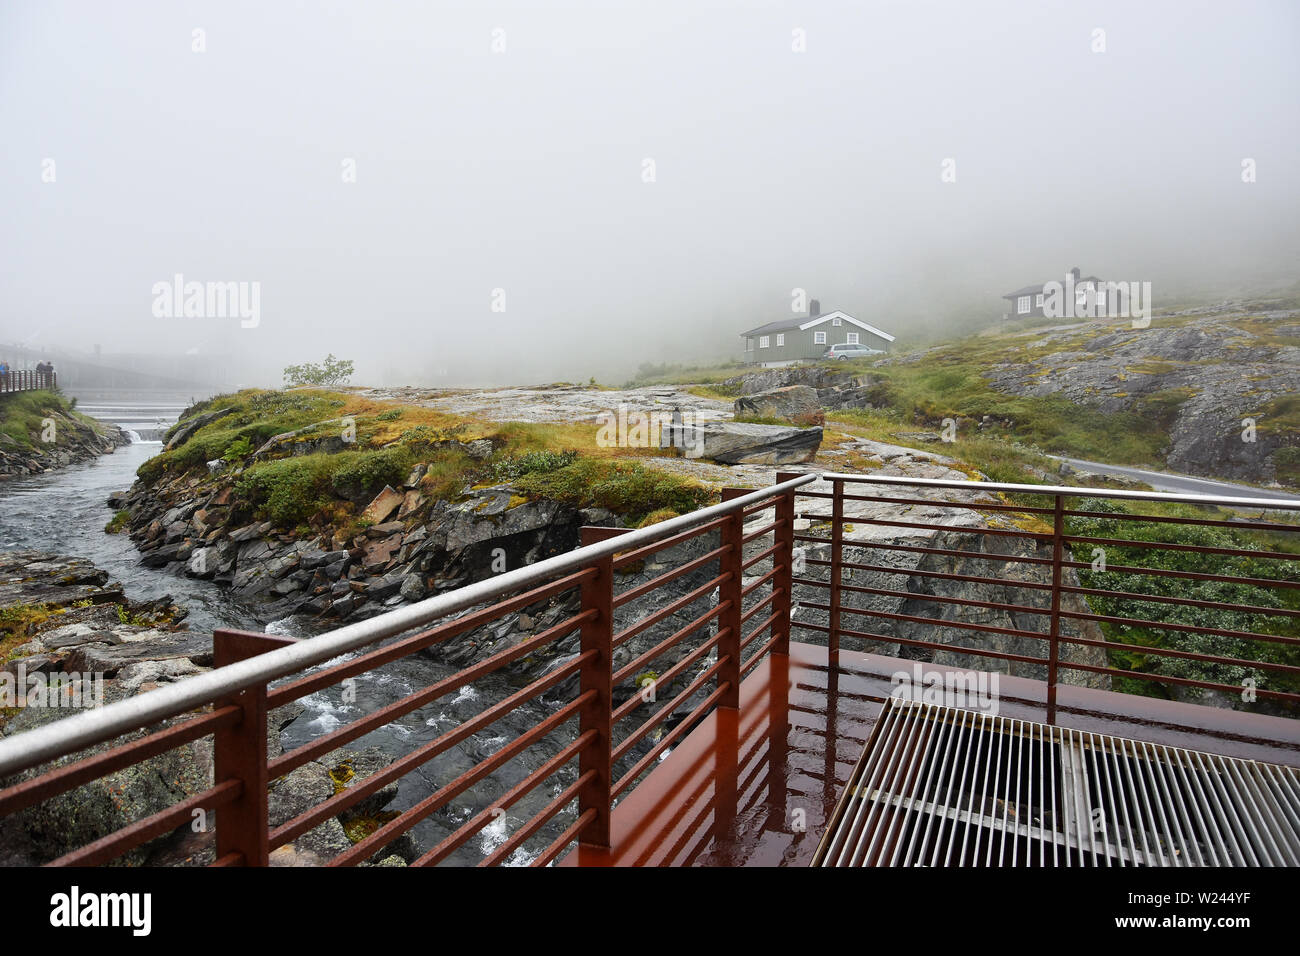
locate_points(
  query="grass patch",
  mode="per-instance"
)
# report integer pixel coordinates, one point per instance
(627, 488)
(117, 524)
(24, 419)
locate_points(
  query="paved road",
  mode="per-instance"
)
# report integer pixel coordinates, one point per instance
(1182, 484)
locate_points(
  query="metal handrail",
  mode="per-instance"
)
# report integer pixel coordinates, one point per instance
(88, 728)
(1075, 491)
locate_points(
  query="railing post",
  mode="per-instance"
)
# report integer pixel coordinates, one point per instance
(239, 752)
(1054, 635)
(733, 534)
(837, 548)
(783, 560)
(597, 674)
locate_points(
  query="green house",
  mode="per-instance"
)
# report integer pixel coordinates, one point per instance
(806, 338)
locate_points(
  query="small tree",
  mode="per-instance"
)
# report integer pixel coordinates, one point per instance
(330, 372)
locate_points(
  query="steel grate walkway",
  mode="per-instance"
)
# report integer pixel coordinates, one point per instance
(940, 786)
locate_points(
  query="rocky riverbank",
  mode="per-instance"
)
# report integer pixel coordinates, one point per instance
(71, 639)
(40, 431)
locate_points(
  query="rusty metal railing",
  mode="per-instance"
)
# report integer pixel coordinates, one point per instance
(27, 380)
(714, 649)
(628, 668)
(1046, 578)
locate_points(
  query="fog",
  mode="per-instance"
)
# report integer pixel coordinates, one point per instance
(469, 193)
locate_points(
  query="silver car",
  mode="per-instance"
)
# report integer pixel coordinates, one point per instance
(847, 351)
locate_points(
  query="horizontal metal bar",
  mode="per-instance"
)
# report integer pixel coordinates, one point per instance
(690, 627)
(540, 820)
(629, 706)
(53, 782)
(1186, 575)
(411, 816)
(1182, 655)
(918, 549)
(1180, 601)
(485, 816)
(311, 683)
(564, 839)
(941, 503)
(640, 554)
(332, 806)
(1280, 504)
(687, 723)
(1252, 525)
(322, 745)
(678, 604)
(1250, 636)
(156, 824)
(1191, 548)
(631, 594)
(921, 619)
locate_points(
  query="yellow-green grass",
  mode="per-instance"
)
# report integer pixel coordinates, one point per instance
(24, 417)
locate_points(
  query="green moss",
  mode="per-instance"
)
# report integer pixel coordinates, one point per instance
(24, 417)
(624, 487)
(289, 491)
(117, 524)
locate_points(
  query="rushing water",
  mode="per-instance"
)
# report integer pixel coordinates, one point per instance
(65, 512)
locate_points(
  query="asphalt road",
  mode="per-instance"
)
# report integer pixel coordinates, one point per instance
(1182, 484)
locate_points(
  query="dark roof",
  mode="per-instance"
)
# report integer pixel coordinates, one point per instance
(782, 326)
(1033, 289)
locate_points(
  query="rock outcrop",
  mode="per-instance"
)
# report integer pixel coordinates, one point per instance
(71, 440)
(796, 404)
(737, 443)
(835, 388)
(1209, 381)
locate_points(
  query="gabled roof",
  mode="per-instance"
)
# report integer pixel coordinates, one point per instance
(1034, 289)
(804, 322)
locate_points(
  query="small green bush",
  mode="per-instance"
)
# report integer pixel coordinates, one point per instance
(238, 448)
(516, 466)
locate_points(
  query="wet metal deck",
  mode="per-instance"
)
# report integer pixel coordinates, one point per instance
(756, 786)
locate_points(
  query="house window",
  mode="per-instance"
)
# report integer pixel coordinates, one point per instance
(1022, 305)
(780, 339)
(762, 341)
(836, 323)
(1038, 300)
(749, 344)
(853, 338)
(819, 338)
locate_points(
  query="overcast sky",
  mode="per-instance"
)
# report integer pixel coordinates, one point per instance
(524, 169)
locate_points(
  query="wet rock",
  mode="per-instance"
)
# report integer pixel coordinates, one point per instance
(182, 432)
(108, 659)
(796, 404)
(736, 443)
(383, 505)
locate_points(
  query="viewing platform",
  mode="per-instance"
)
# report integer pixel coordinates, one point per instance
(27, 380)
(840, 669)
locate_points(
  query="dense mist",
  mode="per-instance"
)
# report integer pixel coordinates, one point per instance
(453, 193)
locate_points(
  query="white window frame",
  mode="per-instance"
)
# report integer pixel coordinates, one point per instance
(819, 338)
(853, 338)
(1038, 301)
(762, 341)
(1022, 305)
(780, 339)
(836, 322)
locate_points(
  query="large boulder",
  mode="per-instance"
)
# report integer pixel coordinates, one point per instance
(737, 443)
(183, 431)
(796, 404)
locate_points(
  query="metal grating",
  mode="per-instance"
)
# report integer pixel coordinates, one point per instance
(941, 786)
